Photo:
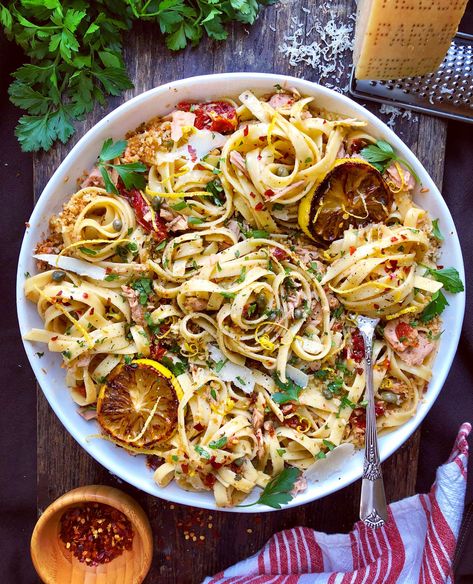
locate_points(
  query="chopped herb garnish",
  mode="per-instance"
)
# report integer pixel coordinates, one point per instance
(202, 452)
(213, 393)
(128, 359)
(256, 233)
(161, 245)
(39, 354)
(290, 391)
(179, 206)
(229, 295)
(347, 403)
(320, 455)
(242, 276)
(144, 288)
(336, 385)
(194, 220)
(111, 277)
(220, 364)
(88, 251)
(220, 443)
(281, 451)
(67, 354)
(328, 444)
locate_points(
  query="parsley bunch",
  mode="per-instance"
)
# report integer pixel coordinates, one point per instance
(74, 51)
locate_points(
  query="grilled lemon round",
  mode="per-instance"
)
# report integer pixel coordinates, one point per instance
(137, 406)
(352, 193)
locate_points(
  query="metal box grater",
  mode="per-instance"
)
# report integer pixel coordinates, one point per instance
(447, 93)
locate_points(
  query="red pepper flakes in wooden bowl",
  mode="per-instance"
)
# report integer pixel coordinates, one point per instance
(96, 533)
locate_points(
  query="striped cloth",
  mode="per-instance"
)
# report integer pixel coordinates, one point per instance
(416, 546)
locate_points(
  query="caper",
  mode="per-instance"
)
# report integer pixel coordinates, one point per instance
(58, 275)
(239, 461)
(156, 203)
(261, 302)
(390, 397)
(327, 393)
(282, 171)
(117, 224)
(298, 313)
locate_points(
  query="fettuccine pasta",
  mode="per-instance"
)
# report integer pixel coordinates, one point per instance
(207, 272)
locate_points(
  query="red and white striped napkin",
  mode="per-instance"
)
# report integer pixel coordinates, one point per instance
(416, 546)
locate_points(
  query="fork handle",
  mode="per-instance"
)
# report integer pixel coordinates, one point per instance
(373, 509)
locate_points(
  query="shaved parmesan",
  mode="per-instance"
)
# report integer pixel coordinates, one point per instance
(239, 375)
(199, 144)
(297, 376)
(426, 284)
(332, 465)
(73, 265)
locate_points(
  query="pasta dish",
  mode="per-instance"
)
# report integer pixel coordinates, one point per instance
(202, 285)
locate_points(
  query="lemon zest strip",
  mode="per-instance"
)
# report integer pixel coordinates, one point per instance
(406, 310)
(75, 322)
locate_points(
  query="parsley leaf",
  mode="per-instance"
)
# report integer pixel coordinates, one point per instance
(290, 391)
(449, 277)
(130, 173)
(220, 443)
(436, 230)
(382, 154)
(144, 288)
(278, 491)
(436, 306)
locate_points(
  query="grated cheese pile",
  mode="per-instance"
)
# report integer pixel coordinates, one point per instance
(325, 54)
(394, 113)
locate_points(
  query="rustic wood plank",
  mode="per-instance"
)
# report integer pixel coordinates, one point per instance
(62, 465)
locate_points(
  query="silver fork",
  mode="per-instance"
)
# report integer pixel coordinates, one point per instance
(373, 510)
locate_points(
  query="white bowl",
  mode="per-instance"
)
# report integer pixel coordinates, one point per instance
(128, 116)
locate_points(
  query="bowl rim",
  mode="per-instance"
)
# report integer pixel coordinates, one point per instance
(106, 495)
(251, 79)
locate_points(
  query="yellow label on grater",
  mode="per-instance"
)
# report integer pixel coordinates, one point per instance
(403, 38)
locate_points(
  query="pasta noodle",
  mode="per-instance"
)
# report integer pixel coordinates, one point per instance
(209, 273)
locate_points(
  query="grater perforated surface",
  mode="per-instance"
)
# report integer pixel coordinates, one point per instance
(448, 92)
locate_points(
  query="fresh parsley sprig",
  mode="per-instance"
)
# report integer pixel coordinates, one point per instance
(130, 173)
(74, 57)
(278, 491)
(449, 277)
(382, 154)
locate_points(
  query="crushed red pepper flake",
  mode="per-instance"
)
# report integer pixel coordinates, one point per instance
(96, 533)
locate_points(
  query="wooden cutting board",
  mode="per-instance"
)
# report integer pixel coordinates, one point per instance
(192, 543)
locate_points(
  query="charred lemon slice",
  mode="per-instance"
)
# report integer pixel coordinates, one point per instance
(138, 404)
(352, 193)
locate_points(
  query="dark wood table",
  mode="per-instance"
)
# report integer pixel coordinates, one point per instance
(192, 543)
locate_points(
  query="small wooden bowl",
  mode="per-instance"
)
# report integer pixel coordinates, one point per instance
(57, 565)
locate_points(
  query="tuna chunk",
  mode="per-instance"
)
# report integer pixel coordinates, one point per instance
(137, 310)
(179, 121)
(280, 100)
(411, 346)
(415, 355)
